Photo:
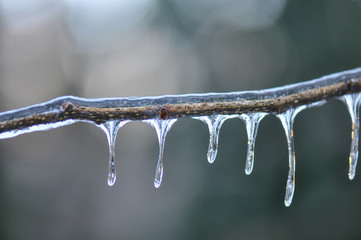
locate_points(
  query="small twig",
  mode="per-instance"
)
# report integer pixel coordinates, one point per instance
(275, 100)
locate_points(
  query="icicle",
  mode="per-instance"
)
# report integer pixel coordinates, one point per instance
(287, 119)
(252, 121)
(111, 129)
(214, 123)
(161, 127)
(352, 102)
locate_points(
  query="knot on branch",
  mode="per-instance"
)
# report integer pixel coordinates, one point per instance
(354, 85)
(164, 113)
(67, 106)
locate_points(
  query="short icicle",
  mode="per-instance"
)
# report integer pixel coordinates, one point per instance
(214, 123)
(111, 129)
(287, 119)
(252, 121)
(352, 102)
(161, 127)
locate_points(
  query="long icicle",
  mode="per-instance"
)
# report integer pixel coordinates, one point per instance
(214, 124)
(287, 119)
(252, 121)
(111, 129)
(161, 127)
(352, 102)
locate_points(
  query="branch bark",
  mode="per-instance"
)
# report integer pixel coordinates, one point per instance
(68, 109)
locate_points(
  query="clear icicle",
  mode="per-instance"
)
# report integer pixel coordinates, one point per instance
(352, 102)
(287, 119)
(252, 121)
(214, 123)
(111, 129)
(161, 127)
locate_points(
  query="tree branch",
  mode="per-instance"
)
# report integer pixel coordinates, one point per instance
(68, 109)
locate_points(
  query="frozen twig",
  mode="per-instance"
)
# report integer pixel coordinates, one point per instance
(68, 109)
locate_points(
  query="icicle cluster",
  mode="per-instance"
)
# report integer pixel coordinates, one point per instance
(111, 114)
(252, 121)
(214, 123)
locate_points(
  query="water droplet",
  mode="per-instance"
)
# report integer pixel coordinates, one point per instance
(252, 121)
(352, 102)
(111, 129)
(161, 127)
(287, 119)
(214, 123)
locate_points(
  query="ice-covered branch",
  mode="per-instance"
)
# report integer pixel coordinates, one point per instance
(212, 108)
(67, 109)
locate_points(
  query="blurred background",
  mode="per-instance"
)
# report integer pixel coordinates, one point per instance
(53, 184)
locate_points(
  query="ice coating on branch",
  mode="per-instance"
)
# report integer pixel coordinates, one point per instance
(55, 105)
(161, 127)
(35, 128)
(111, 129)
(252, 121)
(352, 102)
(214, 123)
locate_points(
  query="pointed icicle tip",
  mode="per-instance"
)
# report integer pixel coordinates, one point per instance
(159, 169)
(214, 124)
(212, 153)
(111, 129)
(157, 182)
(352, 102)
(161, 127)
(112, 177)
(252, 121)
(290, 189)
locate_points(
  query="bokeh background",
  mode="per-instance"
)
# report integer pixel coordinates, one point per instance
(53, 184)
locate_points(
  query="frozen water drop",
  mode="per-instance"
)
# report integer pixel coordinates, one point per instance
(352, 102)
(214, 123)
(212, 152)
(111, 129)
(252, 121)
(287, 119)
(290, 189)
(161, 127)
